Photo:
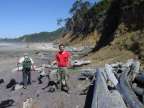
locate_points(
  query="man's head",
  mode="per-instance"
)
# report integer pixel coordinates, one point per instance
(135, 57)
(61, 47)
(25, 55)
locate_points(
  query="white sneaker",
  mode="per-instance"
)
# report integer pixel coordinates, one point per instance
(63, 82)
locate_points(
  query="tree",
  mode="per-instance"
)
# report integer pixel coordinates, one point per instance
(59, 22)
(77, 22)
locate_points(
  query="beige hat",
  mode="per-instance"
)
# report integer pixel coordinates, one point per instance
(25, 54)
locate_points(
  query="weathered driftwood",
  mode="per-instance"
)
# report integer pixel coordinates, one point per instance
(140, 79)
(138, 90)
(110, 74)
(87, 73)
(129, 96)
(89, 96)
(80, 62)
(99, 96)
(102, 97)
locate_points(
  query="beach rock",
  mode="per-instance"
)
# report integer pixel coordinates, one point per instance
(11, 84)
(18, 87)
(6, 103)
(27, 103)
(1, 81)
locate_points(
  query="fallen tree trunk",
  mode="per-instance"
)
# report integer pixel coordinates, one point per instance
(140, 79)
(89, 97)
(102, 97)
(128, 94)
(138, 90)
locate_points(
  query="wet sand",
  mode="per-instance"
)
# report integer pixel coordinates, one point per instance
(41, 98)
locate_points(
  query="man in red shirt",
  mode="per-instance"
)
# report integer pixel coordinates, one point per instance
(63, 62)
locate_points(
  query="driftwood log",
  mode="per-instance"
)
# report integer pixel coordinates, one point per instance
(101, 96)
(126, 90)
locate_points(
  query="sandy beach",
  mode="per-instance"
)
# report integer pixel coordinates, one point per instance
(9, 55)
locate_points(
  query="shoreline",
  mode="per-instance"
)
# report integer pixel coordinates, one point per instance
(9, 57)
(28, 46)
(41, 46)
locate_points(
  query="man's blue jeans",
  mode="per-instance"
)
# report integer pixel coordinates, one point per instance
(26, 76)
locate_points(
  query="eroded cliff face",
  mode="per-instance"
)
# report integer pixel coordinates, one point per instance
(130, 31)
(120, 26)
(123, 27)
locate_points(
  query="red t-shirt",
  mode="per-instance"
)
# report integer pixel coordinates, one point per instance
(62, 58)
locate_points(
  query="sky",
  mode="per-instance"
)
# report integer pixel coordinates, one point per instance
(20, 17)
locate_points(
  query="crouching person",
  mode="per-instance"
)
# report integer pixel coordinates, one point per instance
(43, 74)
(27, 66)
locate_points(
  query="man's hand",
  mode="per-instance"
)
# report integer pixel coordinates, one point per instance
(18, 66)
(33, 67)
(54, 63)
(70, 66)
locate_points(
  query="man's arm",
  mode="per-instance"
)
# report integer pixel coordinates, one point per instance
(70, 59)
(19, 63)
(54, 62)
(33, 67)
(32, 61)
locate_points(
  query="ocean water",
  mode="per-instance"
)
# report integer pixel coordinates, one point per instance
(3, 44)
(11, 46)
